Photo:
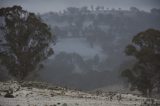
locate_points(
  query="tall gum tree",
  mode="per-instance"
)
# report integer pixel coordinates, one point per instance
(25, 41)
(145, 74)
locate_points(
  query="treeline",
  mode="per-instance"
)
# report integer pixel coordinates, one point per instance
(111, 29)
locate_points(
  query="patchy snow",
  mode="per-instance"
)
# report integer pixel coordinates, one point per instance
(39, 94)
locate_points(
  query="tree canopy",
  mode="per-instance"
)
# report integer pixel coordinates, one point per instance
(25, 41)
(145, 74)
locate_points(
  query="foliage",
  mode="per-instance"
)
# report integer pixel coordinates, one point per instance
(25, 41)
(145, 74)
(111, 29)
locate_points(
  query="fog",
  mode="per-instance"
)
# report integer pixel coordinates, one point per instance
(91, 36)
(41, 6)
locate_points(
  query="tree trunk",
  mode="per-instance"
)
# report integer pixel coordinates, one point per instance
(149, 92)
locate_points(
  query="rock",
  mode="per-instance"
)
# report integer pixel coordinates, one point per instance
(9, 94)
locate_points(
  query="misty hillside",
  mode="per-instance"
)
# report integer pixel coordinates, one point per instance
(92, 40)
(79, 53)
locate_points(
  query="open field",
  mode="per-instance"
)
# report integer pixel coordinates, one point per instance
(39, 94)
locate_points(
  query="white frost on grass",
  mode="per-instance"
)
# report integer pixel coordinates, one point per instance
(57, 96)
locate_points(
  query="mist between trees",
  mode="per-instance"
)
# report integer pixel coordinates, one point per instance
(108, 29)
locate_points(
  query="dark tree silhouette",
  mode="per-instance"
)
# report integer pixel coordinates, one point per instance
(145, 74)
(25, 41)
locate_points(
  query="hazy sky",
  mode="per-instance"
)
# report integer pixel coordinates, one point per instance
(42, 6)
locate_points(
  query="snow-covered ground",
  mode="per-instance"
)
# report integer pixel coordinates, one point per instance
(40, 94)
